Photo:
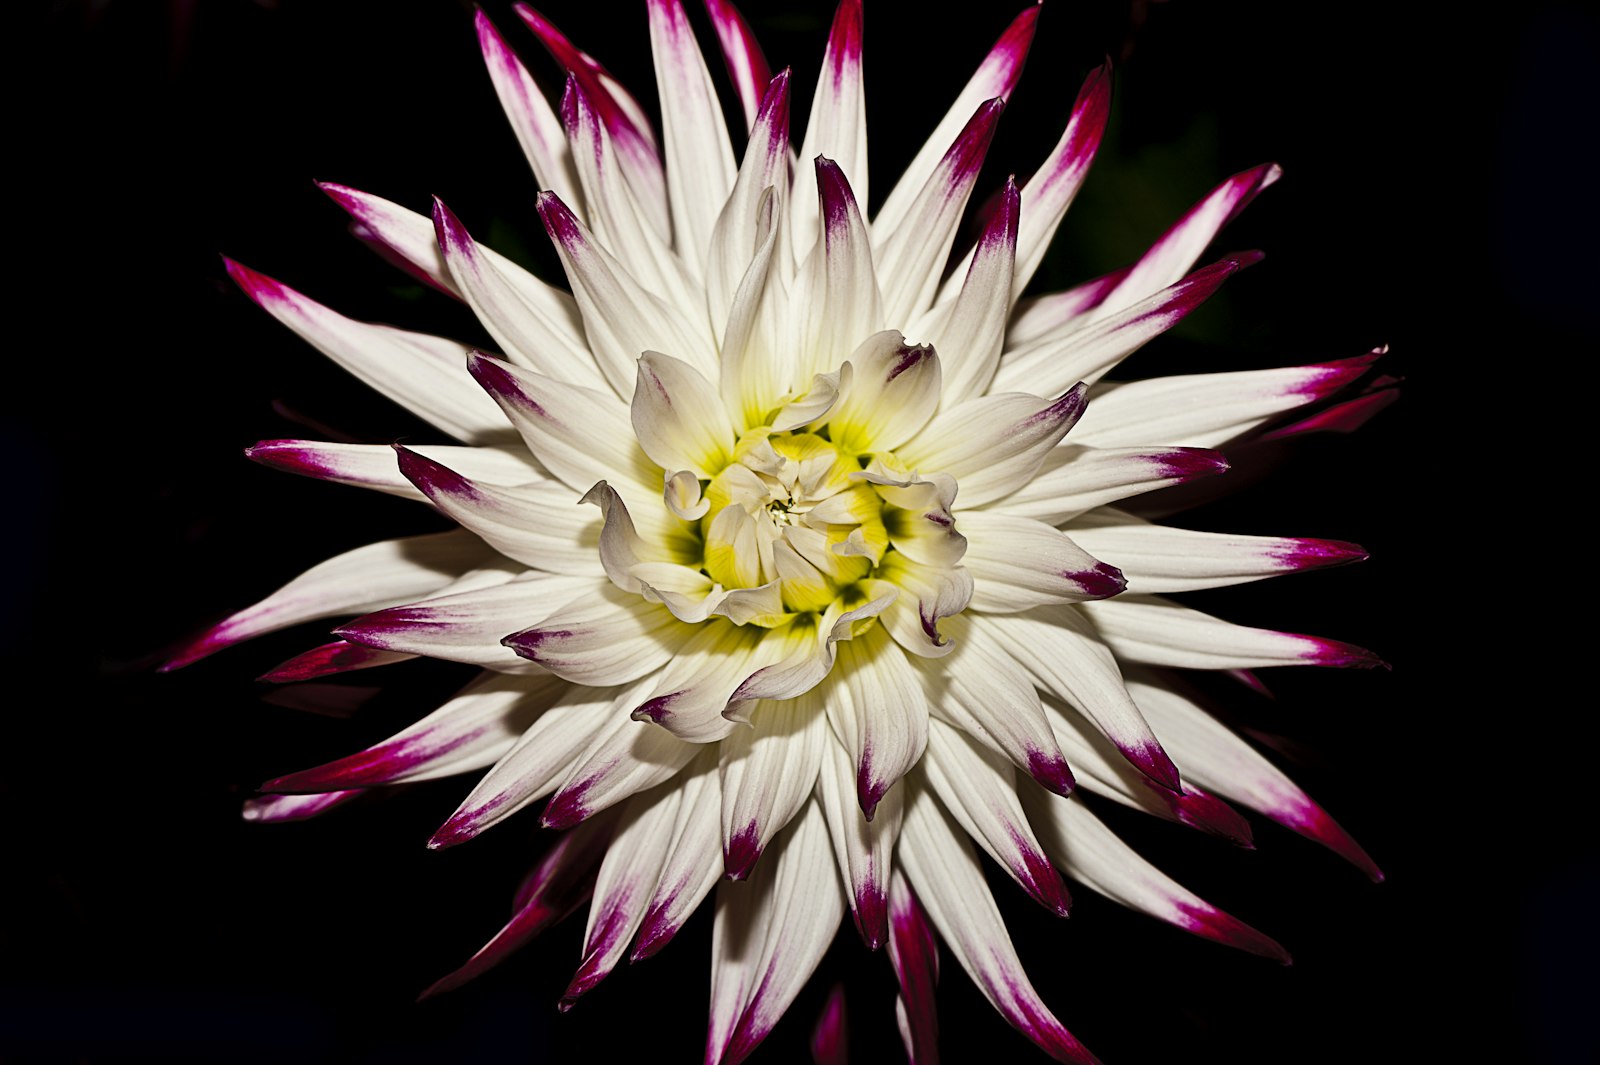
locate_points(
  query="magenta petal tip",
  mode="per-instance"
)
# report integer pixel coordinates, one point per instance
(1052, 772)
(740, 854)
(1341, 655)
(871, 913)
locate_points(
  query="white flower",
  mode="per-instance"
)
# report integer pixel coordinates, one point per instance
(785, 574)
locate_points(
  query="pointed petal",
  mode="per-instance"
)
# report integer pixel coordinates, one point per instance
(608, 637)
(469, 626)
(994, 445)
(699, 158)
(878, 713)
(841, 305)
(1159, 632)
(837, 126)
(1091, 854)
(626, 121)
(330, 658)
(971, 332)
(1075, 478)
(911, 256)
(1018, 563)
(1205, 410)
(994, 78)
(533, 768)
(579, 434)
(770, 932)
(628, 876)
(537, 128)
(894, 389)
(422, 373)
(282, 809)
(536, 524)
(694, 856)
(621, 318)
(1057, 359)
(941, 868)
(470, 731)
(401, 236)
(737, 236)
(1157, 558)
(374, 466)
(747, 67)
(915, 953)
(810, 660)
(511, 305)
(377, 575)
(1217, 759)
(1102, 771)
(830, 1039)
(981, 690)
(698, 684)
(864, 849)
(558, 885)
(625, 758)
(767, 774)
(1066, 657)
(979, 789)
(1167, 260)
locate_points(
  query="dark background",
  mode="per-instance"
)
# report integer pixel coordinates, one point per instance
(1434, 200)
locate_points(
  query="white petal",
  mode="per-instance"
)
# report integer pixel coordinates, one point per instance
(993, 445)
(767, 774)
(535, 124)
(421, 373)
(606, 637)
(770, 932)
(1018, 563)
(739, 233)
(811, 648)
(374, 465)
(699, 159)
(695, 688)
(837, 126)
(878, 713)
(970, 332)
(837, 303)
(864, 849)
(367, 578)
(982, 690)
(470, 731)
(1205, 410)
(694, 855)
(532, 769)
(746, 65)
(940, 866)
(624, 758)
(979, 789)
(1091, 854)
(1075, 478)
(1147, 628)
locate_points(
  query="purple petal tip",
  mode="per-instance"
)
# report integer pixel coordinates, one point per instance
(740, 853)
(870, 908)
(1213, 924)
(1343, 655)
(1052, 771)
(1310, 553)
(1102, 582)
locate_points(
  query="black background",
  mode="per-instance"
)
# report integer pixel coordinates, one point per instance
(1433, 200)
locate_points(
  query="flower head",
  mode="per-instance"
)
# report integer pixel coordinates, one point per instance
(787, 548)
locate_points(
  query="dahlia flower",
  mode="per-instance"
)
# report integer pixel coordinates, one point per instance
(795, 546)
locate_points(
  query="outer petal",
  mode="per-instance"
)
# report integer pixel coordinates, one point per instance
(838, 302)
(1075, 478)
(768, 771)
(1064, 655)
(378, 575)
(699, 159)
(533, 768)
(694, 857)
(422, 373)
(374, 466)
(979, 789)
(537, 128)
(994, 78)
(330, 658)
(1214, 757)
(737, 238)
(1159, 632)
(693, 692)
(746, 65)
(1205, 410)
(1091, 854)
(981, 689)
(281, 809)
(625, 758)
(770, 932)
(940, 866)
(607, 637)
(837, 127)
(469, 732)
(1156, 558)
(972, 331)
(864, 849)
(878, 713)
(915, 953)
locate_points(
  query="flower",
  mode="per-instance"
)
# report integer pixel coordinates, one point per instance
(846, 600)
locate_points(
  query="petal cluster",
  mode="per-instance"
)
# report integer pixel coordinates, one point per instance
(786, 542)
